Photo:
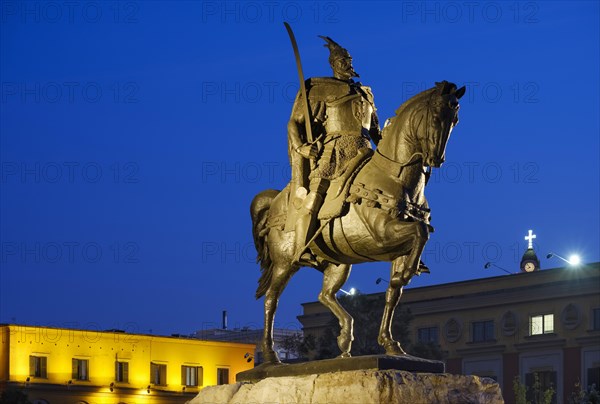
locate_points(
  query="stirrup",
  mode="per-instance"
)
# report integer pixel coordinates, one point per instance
(306, 257)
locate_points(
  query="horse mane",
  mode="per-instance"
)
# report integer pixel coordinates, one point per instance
(415, 104)
(421, 97)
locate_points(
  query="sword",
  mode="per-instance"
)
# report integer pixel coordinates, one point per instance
(307, 120)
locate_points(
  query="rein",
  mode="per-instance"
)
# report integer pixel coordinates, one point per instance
(391, 166)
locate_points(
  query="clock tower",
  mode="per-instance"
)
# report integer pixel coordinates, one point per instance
(530, 262)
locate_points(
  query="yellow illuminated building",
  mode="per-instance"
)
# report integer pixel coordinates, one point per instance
(61, 366)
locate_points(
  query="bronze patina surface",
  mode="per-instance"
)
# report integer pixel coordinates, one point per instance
(378, 362)
(347, 203)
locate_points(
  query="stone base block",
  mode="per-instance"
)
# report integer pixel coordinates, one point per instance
(358, 386)
(364, 362)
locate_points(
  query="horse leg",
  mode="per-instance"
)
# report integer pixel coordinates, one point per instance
(281, 276)
(334, 278)
(392, 297)
(403, 268)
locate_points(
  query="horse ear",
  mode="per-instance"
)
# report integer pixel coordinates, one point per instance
(460, 92)
(443, 87)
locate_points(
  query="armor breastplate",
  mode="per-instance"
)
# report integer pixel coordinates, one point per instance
(348, 115)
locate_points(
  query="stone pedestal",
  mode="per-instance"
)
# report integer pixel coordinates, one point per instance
(379, 362)
(358, 386)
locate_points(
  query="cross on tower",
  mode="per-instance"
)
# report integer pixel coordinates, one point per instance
(530, 238)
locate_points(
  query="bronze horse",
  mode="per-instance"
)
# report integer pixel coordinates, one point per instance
(387, 218)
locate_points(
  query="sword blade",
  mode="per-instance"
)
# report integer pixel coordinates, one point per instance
(307, 120)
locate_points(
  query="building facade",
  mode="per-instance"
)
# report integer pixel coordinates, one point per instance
(59, 365)
(543, 322)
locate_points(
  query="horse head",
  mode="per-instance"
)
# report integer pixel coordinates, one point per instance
(422, 126)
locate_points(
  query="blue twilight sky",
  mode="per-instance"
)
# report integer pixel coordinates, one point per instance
(134, 135)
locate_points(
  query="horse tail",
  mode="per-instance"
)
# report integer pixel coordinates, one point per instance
(259, 209)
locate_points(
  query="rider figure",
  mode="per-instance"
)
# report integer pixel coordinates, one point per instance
(343, 121)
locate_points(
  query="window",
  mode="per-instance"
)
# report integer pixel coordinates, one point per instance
(222, 376)
(37, 366)
(541, 324)
(546, 379)
(596, 319)
(593, 377)
(80, 369)
(191, 376)
(428, 334)
(482, 331)
(122, 372)
(158, 374)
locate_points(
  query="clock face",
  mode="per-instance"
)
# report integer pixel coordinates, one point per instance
(529, 267)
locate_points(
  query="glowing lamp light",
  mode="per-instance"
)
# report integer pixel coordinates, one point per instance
(574, 259)
(350, 292)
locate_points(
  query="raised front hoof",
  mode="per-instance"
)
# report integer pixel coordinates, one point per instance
(423, 269)
(393, 348)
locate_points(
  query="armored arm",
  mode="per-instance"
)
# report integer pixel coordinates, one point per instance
(374, 131)
(298, 142)
(296, 131)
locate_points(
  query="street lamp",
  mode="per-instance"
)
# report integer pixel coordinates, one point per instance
(379, 280)
(574, 259)
(491, 264)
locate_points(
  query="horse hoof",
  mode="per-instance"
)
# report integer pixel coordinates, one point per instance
(345, 355)
(271, 358)
(393, 348)
(344, 344)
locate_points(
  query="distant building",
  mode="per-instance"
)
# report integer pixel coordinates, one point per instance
(547, 322)
(252, 336)
(59, 365)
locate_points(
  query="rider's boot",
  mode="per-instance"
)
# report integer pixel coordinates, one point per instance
(303, 234)
(305, 228)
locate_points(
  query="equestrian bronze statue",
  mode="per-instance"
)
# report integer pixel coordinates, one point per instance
(347, 203)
